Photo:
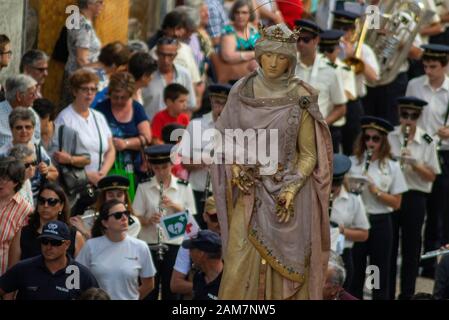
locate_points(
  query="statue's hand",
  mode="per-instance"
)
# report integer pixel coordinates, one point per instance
(284, 206)
(241, 179)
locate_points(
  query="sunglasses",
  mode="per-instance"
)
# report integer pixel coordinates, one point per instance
(409, 115)
(30, 164)
(51, 201)
(27, 128)
(87, 90)
(119, 215)
(375, 139)
(52, 242)
(305, 39)
(39, 69)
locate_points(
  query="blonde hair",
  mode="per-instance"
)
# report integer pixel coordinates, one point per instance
(209, 205)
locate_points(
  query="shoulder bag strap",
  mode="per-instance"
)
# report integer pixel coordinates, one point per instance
(101, 142)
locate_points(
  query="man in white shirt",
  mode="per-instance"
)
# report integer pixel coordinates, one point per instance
(433, 87)
(151, 203)
(417, 154)
(317, 71)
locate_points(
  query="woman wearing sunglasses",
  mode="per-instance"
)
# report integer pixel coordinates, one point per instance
(417, 153)
(52, 205)
(119, 262)
(381, 196)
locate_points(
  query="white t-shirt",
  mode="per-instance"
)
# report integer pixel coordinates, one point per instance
(88, 132)
(117, 266)
(387, 177)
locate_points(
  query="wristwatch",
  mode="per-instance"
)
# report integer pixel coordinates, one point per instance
(378, 193)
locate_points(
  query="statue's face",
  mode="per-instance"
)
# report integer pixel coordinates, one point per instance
(274, 65)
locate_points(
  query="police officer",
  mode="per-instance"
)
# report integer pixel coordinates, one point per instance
(163, 195)
(319, 72)
(420, 167)
(195, 145)
(433, 87)
(48, 276)
(345, 21)
(381, 196)
(348, 213)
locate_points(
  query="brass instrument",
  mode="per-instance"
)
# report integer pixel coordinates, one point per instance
(160, 247)
(355, 62)
(404, 145)
(391, 42)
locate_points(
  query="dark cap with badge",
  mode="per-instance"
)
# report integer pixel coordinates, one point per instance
(411, 102)
(435, 51)
(204, 240)
(382, 125)
(308, 26)
(344, 17)
(113, 182)
(56, 230)
(330, 38)
(341, 166)
(159, 154)
(219, 90)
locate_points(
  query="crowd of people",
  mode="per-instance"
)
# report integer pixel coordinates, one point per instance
(87, 182)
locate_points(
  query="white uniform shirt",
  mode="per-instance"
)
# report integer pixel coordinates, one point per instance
(327, 80)
(369, 57)
(193, 143)
(88, 132)
(432, 117)
(435, 18)
(146, 203)
(117, 266)
(423, 151)
(348, 78)
(348, 210)
(387, 177)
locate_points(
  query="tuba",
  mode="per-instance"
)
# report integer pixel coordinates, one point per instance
(399, 25)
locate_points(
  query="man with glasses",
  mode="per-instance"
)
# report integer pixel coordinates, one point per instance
(417, 154)
(168, 72)
(54, 275)
(318, 71)
(433, 87)
(21, 91)
(35, 64)
(5, 58)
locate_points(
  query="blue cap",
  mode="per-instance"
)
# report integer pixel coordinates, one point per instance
(331, 37)
(345, 17)
(113, 182)
(382, 125)
(204, 240)
(435, 50)
(342, 164)
(57, 230)
(221, 90)
(308, 26)
(411, 102)
(159, 154)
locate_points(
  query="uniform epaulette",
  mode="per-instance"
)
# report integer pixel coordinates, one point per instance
(427, 138)
(184, 182)
(346, 68)
(333, 65)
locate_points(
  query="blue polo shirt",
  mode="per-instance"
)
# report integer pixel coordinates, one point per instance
(34, 281)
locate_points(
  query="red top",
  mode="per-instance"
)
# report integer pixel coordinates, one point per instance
(162, 118)
(291, 10)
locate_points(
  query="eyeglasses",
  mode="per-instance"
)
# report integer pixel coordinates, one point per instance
(40, 69)
(409, 115)
(52, 202)
(27, 128)
(7, 53)
(306, 40)
(87, 89)
(30, 164)
(118, 98)
(119, 215)
(52, 242)
(375, 138)
(167, 40)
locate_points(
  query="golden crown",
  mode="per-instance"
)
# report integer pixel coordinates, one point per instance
(277, 34)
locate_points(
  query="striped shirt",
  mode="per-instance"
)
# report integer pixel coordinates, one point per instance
(13, 216)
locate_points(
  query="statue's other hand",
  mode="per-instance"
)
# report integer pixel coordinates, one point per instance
(284, 207)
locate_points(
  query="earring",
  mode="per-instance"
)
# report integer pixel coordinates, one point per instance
(60, 212)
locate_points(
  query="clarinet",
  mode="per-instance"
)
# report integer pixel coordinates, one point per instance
(369, 155)
(331, 202)
(404, 145)
(160, 247)
(434, 253)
